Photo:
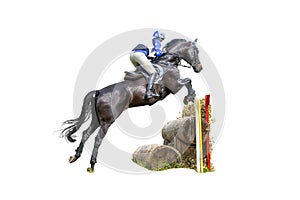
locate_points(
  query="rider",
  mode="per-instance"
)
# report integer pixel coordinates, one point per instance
(139, 56)
(158, 38)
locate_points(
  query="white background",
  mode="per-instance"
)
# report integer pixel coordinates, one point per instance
(254, 44)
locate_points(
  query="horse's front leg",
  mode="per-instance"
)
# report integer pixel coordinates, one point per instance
(187, 82)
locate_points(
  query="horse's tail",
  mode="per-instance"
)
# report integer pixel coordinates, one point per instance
(75, 124)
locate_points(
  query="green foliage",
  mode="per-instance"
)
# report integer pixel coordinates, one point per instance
(185, 163)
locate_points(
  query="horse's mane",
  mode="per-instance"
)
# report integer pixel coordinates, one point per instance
(173, 43)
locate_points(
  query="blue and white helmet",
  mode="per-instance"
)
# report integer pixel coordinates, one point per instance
(157, 34)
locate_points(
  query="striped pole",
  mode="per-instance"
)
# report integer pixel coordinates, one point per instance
(200, 134)
(207, 101)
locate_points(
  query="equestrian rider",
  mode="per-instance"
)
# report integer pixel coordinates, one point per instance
(139, 56)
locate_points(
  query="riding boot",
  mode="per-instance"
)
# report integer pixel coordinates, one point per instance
(150, 92)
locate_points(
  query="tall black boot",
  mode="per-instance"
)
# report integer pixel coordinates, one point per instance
(149, 87)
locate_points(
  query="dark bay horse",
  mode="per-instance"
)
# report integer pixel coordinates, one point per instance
(107, 104)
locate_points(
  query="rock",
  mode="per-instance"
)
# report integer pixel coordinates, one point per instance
(156, 157)
(179, 142)
(180, 133)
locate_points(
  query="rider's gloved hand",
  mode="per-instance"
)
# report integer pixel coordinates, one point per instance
(158, 52)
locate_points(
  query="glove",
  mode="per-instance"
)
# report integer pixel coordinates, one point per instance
(158, 52)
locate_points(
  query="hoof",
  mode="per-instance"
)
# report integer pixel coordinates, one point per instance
(90, 170)
(72, 159)
(188, 99)
(185, 101)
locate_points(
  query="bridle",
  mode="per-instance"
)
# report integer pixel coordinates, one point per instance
(177, 56)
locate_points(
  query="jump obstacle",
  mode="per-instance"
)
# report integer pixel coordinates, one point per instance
(187, 142)
(202, 108)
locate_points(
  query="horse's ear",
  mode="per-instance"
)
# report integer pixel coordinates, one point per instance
(194, 42)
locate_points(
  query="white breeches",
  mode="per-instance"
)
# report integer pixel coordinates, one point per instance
(138, 58)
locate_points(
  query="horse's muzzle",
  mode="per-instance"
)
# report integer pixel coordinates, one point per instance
(197, 68)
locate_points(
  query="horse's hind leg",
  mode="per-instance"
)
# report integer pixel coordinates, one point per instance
(98, 140)
(85, 136)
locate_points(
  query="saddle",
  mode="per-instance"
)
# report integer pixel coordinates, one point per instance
(140, 72)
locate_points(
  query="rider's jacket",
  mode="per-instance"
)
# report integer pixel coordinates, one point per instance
(156, 47)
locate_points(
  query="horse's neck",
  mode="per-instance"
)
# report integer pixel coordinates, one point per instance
(168, 59)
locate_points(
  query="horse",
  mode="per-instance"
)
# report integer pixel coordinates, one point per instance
(104, 106)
